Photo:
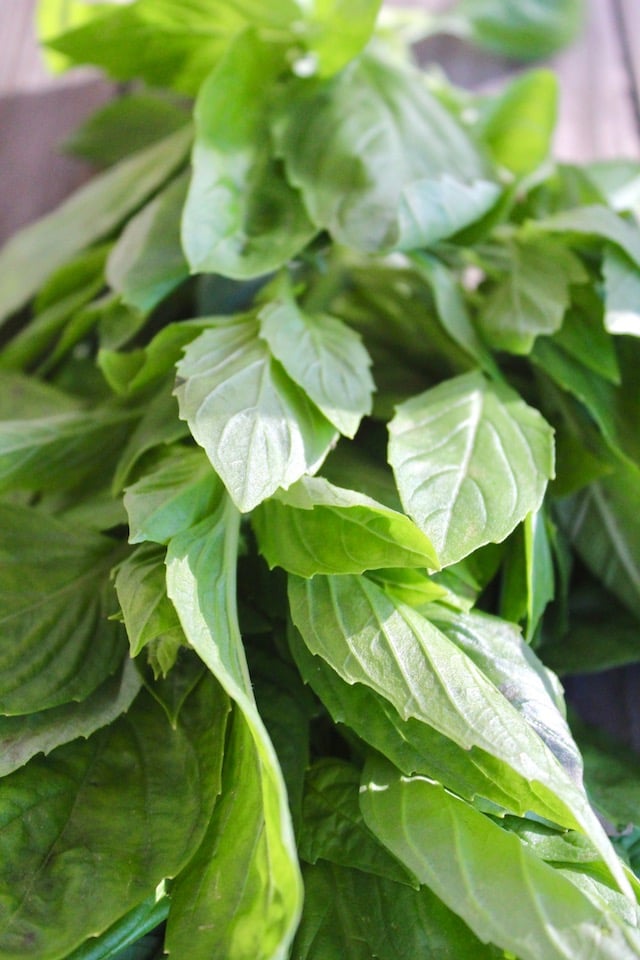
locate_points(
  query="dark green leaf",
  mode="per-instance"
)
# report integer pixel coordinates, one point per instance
(23, 737)
(58, 644)
(116, 813)
(525, 31)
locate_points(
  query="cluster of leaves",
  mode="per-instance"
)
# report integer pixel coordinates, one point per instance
(318, 445)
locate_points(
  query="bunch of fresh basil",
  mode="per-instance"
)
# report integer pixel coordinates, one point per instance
(318, 447)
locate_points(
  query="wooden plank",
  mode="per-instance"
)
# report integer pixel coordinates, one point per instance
(22, 66)
(597, 110)
(629, 13)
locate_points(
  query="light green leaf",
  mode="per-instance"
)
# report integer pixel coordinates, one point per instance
(333, 828)
(257, 427)
(498, 650)
(89, 214)
(526, 31)
(351, 915)
(149, 615)
(323, 356)
(201, 584)
(603, 523)
(147, 262)
(621, 293)
(242, 218)
(411, 744)
(353, 153)
(57, 642)
(317, 528)
(532, 298)
(23, 737)
(335, 31)
(499, 887)
(431, 210)
(593, 222)
(177, 493)
(117, 813)
(518, 124)
(471, 460)
(583, 334)
(368, 638)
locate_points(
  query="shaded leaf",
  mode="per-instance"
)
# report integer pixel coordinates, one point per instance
(118, 812)
(58, 644)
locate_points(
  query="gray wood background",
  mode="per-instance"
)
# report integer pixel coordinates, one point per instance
(599, 119)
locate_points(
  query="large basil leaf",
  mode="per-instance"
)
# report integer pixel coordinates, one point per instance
(525, 31)
(498, 886)
(622, 293)
(471, 460)
(23, 737)
(57, 643)
(90, 213)
(242, 218)
(115, 814)
(201, 583)
(368, 638)
(257, 427)
(323, 356)
(317, 528)
(378, 159)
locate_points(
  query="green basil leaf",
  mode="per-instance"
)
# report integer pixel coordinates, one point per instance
(471, 460)
(177, 493)
(593, 223)
(118, 812)
(532, 298)
(147, 262)
(603, 523)
(58, 644)
(333, 828)
(21, 738)
(367, 638)
(201, 584)
(361, 159)
(258, 428)
(352, 915)
(149, 615)
(323, 356)
(242, 218)
(92, 212)
(317, 528)
(525, 32)
(622, 293)
(500, 888)
(518, 124)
